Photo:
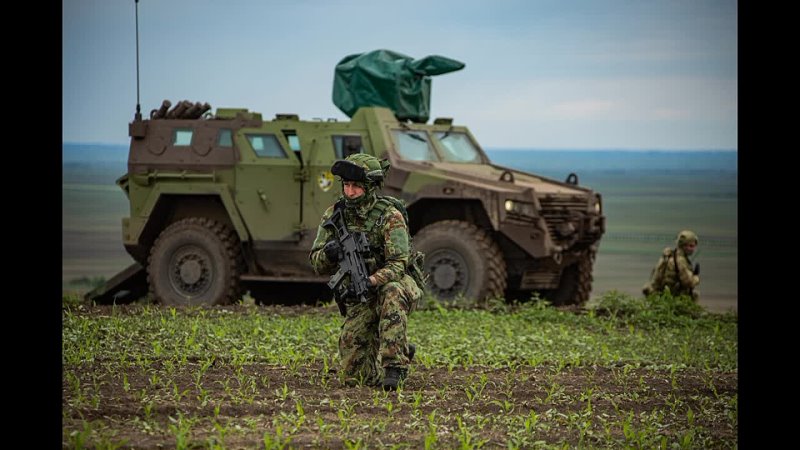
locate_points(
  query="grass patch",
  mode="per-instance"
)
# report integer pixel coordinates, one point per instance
(625, 373)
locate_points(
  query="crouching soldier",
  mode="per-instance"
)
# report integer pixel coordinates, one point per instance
(674, 269)
(373, 345)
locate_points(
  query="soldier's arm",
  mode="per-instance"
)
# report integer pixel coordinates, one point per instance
(688, 278)
(395, 249)
(317, 257)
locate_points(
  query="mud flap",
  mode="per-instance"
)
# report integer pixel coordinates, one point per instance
(124, 287)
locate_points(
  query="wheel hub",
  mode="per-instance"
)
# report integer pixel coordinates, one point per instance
(444, 276)
(449, 273)
(191, 271)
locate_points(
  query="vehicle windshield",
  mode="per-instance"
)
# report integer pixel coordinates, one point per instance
(457, 147)
(414, 145)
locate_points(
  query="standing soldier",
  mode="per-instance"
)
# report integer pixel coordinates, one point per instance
(372, 346)
(674, 269)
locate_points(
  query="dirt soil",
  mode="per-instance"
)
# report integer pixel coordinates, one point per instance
(447, 408)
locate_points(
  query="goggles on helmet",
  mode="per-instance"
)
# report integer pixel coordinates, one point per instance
(351, 171)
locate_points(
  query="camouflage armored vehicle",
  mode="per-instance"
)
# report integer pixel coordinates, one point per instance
(224, 200)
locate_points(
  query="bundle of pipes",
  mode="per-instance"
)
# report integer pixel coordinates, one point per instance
(161, 112)
(182, 110)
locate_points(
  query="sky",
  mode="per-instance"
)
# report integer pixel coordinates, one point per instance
(539, 74)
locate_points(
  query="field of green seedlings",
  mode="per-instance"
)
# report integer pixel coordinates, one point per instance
(624, 373)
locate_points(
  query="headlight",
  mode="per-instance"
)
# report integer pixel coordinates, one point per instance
(520, 208)
(598, 205)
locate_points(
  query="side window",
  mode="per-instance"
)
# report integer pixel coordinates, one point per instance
(225, 138)
(345, 146)
(266, 145)
(182, 137)
(294, 142)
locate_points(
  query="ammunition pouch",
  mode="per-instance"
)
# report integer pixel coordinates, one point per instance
(416, 269)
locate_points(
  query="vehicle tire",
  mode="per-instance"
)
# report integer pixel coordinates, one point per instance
(195, 261)
(462, 260)
(576, 282)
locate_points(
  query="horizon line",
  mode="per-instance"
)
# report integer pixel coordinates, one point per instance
(540, 149)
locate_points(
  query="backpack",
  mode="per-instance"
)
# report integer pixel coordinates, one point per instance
(416, 260)
(660, 270)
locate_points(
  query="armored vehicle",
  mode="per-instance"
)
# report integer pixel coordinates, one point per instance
(224, 200)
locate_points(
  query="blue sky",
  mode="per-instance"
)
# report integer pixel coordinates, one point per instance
(613, 74)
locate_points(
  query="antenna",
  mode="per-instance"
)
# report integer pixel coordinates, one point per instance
(138, 115)
(138, 128)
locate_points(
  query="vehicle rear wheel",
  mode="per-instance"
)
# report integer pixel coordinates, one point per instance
(195, 261)
(462, 259)
(576, 283)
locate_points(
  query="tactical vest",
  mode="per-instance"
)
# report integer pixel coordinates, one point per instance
(416, 259)
(376, 215)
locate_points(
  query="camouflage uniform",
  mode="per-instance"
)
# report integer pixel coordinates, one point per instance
(674, 270)
(373, 335)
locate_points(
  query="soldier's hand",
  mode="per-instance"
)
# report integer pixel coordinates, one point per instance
(696, 270)
(333, 251)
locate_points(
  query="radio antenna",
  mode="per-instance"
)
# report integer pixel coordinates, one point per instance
(138, 115)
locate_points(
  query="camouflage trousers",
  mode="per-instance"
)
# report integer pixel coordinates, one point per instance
(374, 333)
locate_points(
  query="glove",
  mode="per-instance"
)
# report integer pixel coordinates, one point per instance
(696, 270)
(333, 251)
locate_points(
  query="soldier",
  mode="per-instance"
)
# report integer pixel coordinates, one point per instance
(372, 346)
(674, 269)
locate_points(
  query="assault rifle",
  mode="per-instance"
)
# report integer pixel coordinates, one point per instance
(354, 247)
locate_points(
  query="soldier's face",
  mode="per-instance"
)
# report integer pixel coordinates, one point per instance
(690, 247)
(352, 190)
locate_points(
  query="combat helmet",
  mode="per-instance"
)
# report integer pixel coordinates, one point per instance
(686, 236)
(362, 168)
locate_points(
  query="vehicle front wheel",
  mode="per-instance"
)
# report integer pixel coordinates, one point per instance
(195, 261)
(462, 260)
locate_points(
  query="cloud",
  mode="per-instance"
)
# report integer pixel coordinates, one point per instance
(582, 109)
(536, 72)
(671, 113)
(626, 112)
(636, 99)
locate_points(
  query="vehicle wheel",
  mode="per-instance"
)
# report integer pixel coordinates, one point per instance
(195, 261)
(576, 283)
(461, 259)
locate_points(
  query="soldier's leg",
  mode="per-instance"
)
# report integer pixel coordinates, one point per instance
(393, 304)
(358, 346)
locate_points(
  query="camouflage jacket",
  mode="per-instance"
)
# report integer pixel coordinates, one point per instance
(680, 279)
(388, 241)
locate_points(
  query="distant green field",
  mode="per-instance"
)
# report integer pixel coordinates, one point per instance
(91, 235)
(644, 211)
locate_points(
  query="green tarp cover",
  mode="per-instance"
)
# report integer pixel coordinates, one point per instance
(389, 79)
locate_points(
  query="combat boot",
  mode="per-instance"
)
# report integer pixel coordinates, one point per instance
(394, 376)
